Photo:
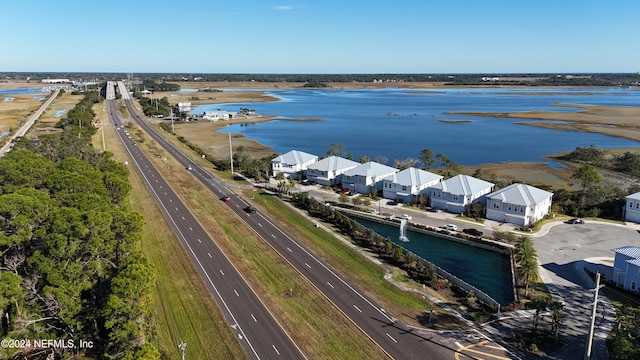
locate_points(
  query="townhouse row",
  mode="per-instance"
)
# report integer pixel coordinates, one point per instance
(518, 204)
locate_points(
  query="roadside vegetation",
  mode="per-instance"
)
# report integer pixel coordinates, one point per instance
(70, 265)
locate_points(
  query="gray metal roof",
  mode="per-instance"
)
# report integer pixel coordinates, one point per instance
(333, 163)
(463, 185)
(294, 157)
(634, 196)
(520, 194)
(631, 251)
(370, 169)
(413, 177)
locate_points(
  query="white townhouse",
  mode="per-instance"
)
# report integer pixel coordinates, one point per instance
(631, 211)
(626, 268)
(454, 194)
(366, 177)
(329, 170)
(408, 184)
(292, 163)
(518, 204)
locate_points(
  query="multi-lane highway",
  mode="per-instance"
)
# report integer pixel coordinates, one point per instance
(256, 329)
(395, 338)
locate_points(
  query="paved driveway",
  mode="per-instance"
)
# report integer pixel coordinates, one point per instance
(564, 251)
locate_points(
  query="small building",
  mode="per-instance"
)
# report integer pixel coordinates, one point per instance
(329, 170)
(407, 185)
(366, 177)
(218, 115)
(184, 106)
(454, 194)
(518, 204)
(292, 163)
(626, 268)
(631, 211)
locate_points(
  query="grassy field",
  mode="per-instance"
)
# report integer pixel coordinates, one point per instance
(184, 309)
(59, 106)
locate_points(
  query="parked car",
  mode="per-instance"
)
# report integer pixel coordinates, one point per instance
(405, 217)
(452, 227)
(575, 221)
(472, 232)
(226, 198)
(250, 209)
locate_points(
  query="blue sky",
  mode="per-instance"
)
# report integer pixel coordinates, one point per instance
(328, 36)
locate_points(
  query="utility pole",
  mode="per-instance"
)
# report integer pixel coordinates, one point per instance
(231, 155)
(587, 354)
(173, 130)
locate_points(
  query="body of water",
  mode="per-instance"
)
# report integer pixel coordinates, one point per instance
(399, 123)
(487, 270)
(21, 91)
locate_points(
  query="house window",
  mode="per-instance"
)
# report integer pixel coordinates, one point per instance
(404, 188)
(630, 204)
(633, 285)
(455, 197)
(496, 205)
(509, 207)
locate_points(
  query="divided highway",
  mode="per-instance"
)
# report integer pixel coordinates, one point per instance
(258, 332)
(396, 339)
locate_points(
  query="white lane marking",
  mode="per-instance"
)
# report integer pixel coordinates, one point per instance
(309, 266)
(357, 308)
(200, 241)
(177, 209)
(334, 288)
(183, 218)
(236, 293)
(259, 224)
(276, 349)
(221, 272)
(209, 255)
(391, 337)
(254, 318)
(190, 228)
(273, 236)
(289, 250)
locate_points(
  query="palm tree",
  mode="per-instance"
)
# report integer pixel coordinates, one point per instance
(557, 317)
(527, 260)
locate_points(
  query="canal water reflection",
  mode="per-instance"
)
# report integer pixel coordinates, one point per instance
(487, 270)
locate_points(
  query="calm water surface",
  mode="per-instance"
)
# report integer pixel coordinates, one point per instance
(398, 123)
(487, 270)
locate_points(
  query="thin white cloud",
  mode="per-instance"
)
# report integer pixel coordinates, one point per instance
(283, 7)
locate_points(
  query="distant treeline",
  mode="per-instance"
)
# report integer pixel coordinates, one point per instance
(488, 79)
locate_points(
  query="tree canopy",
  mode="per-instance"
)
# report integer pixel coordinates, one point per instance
(69, 264)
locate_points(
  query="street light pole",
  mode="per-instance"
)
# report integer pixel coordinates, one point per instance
(587, 355)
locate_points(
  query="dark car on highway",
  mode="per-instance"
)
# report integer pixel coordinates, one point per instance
(473, 232)
(250, 209)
